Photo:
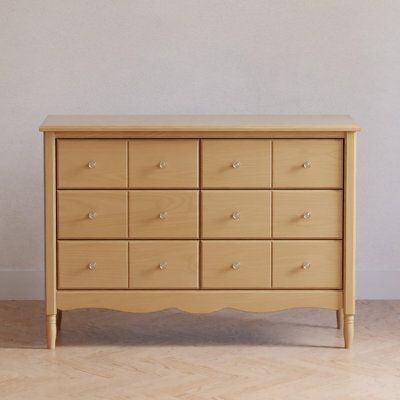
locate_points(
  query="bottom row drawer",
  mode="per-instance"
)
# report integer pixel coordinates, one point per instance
(225, 264)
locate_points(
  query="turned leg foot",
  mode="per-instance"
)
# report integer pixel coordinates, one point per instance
(51, 329)
(59, 319)
(339, 319)
(348, 330)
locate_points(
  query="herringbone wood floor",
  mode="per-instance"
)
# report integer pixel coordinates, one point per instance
(109, 355)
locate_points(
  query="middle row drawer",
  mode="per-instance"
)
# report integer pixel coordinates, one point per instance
(175, 214)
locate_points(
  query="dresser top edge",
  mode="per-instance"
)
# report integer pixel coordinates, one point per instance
(199, 123)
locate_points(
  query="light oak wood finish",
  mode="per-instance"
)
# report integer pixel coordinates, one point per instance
(193, 200)
(236, 214)
(166, 214)
(92, 164)
(308, 163)
(96, 214)
(179, 123)
(199, 301)
(307, 264)
(235, 264)
(164, 163)
(164, 264)
(92, 264)
(50, 235)
(238, 163)
(307, 214)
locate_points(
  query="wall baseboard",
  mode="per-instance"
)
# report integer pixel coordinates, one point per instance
(29, 284)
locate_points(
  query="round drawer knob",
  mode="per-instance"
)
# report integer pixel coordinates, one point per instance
(236, 215)
(163, 215)
(306, 265)
(163, 164)
(236, 164)
(307, 215)
(92, 164)
(236, 265)
(163, 265)
(92, 214)
(92, 265)
(307, 164)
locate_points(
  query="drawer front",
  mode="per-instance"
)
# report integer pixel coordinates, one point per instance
(236, 214)
(167, 264)
(307, 214)
(236, 163)
(163, 163)
(92, 164)
(312, 264)
(308, 163)
(92, 264)
(92, 214)
(163, 214)
(236, 264)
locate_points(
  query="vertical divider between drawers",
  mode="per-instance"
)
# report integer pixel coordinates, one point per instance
(127, 209)
(200, 216)
(271, 211)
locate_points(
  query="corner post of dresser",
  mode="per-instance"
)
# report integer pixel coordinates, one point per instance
(50, 206)
(349, 239)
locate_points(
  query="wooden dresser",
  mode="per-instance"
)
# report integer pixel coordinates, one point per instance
(199, 213)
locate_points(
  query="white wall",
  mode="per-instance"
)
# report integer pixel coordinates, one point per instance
(205, 56)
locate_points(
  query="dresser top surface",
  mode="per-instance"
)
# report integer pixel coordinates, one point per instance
(179, 123)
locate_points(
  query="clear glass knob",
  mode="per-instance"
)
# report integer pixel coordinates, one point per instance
(236, 265)
(92, 164)
(306, 265)
(236, 164)
(307, 164)
(163, 215)
(163, 265)
(92, 214)
(307, 215)
(236, 215)
(163, 164)
(92, 265)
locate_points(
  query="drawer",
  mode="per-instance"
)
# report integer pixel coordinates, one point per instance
(92, 164)
(308, 163)
(92, 264)
(163, 163)
(236, 214)
(163, 214)
(237, 163)
(235, 264)
(307, 214)
(163, 264)
(92, 214)
(311, 264)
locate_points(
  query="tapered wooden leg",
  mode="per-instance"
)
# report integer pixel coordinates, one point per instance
(51, 329)
(59, 319)
(348, 330)
(339, 318)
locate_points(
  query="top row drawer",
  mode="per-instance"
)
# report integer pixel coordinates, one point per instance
(174, 163)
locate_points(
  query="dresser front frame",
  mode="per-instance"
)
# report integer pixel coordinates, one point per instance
(199, 301)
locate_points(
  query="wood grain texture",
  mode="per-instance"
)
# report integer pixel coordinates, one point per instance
(179, 166)
(199, 301)
(350, 223)
(236, 163)
(164, 264)
(110, 208)
(56, 123)
(111, 264)
(289, 207)
(180, 208)
(324, 256)
(219, 206)
(235, 264)
(325, 168)
(110, 170)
